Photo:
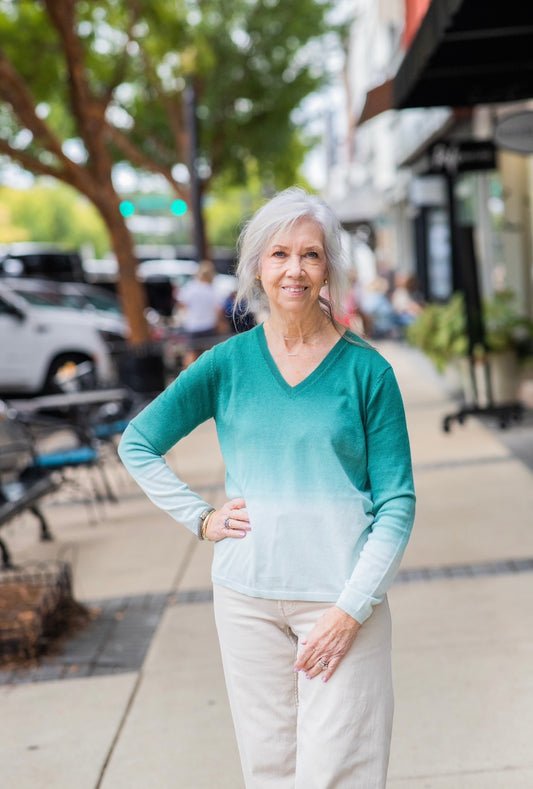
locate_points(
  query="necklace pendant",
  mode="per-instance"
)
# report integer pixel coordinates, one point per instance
(292, 354)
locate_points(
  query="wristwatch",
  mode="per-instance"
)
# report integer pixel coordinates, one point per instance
(201, 521)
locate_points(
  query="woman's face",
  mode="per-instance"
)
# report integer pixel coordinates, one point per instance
(294, 267)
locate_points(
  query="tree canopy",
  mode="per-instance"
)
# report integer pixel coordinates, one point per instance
(84, 85)
(251, 62)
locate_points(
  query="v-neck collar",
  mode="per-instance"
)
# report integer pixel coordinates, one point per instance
(328, 359)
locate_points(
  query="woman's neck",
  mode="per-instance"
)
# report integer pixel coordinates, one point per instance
(291, 327)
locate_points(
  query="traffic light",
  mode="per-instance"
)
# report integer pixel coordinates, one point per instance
(178, 207)
(152, 204)
(126, 208)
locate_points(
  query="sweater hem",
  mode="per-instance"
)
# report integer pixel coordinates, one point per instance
(277, 594)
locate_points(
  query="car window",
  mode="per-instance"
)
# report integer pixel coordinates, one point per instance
(39, 298)
(72, 301)
(102, 302)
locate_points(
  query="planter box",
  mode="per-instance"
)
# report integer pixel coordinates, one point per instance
(505, 379)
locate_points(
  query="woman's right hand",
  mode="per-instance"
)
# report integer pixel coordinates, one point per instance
(231, 520)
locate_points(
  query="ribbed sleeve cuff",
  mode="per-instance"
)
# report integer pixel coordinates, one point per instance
(358, 605)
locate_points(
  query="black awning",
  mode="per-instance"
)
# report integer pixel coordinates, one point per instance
(464, 53)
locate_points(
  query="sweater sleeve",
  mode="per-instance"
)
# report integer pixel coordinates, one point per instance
(185, 404)
(392, 490)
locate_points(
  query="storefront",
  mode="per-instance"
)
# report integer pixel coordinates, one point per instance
(470, 192)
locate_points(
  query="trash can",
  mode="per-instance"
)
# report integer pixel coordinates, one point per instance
(141, 367)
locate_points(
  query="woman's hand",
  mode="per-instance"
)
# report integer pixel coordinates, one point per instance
(327, 643)
(231, 520)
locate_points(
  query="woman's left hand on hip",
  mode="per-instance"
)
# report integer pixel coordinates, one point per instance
(327, 643)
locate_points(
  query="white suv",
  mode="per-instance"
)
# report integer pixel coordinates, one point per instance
(38, 338)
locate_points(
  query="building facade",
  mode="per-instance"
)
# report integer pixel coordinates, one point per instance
(437, 165)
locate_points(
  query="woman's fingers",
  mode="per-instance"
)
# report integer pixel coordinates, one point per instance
(327, 643)
(235, 504)
(231, 520)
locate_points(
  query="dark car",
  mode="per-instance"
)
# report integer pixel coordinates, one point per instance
(37, 260)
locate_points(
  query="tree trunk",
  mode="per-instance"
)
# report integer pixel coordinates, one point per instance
(131, 292)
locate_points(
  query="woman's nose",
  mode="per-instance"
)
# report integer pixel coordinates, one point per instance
(294, 265)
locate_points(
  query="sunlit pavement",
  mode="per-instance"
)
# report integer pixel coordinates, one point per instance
(138, 699)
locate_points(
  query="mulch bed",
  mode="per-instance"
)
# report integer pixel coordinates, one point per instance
(37, 612)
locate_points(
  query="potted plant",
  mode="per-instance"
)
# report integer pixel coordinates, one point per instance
(440, 331)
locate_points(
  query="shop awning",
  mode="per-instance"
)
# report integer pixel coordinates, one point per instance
(464, 53)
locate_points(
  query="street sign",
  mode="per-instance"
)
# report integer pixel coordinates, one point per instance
(451, 157)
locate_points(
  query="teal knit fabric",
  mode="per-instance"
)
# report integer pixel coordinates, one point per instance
(324, 468)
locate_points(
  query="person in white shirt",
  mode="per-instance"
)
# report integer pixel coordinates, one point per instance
(203, 311)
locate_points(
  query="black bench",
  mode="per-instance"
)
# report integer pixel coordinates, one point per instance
(22, 483)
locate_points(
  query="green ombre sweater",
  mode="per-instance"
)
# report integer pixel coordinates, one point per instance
(324, 468)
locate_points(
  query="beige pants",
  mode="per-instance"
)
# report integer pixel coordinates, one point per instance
(295, 733)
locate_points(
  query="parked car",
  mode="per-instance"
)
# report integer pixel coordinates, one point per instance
(41, 260)
(42, 336)
(74, 295)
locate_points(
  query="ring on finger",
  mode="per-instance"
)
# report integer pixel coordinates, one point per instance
(226, 523)
(323, 664)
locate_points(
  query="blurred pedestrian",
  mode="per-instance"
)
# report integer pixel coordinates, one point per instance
(203, 311)
(353, 316)
(320, 505)
(406, 302)
(375, 303)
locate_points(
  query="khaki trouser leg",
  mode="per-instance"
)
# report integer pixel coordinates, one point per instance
(295, 733)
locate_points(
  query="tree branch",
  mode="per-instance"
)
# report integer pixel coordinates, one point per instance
(88, 109)
(15, 92)
(134, 155)
(33, 164)
(119, 72)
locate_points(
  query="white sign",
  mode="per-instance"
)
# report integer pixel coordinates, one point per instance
(515, 132)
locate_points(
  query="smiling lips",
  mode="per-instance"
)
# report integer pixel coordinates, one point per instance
(295, 290)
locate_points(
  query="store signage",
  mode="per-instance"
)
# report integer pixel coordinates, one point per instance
(515, 132)
(458, 157)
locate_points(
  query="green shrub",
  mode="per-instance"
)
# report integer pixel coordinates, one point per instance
(440, 330)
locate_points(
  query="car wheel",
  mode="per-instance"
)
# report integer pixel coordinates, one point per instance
(70, 372)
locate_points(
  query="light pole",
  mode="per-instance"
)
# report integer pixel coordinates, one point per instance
(196, 207)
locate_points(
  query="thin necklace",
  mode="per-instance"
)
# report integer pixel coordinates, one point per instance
(302, 338)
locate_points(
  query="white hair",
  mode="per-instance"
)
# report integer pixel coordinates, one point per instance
(278, 215)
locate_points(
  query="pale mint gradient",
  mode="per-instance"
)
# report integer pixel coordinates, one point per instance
(324, 468)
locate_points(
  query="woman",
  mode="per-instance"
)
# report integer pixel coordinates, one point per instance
(320, 507)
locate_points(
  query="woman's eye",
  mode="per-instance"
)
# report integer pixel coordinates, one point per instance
(312, 255)
(279, 253)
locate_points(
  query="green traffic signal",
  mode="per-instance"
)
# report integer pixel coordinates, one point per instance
(178, 207)
(151, 203)
(127, 208)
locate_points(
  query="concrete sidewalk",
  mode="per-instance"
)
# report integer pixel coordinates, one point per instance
(138, 700)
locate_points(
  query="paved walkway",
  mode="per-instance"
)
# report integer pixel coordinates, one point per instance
(137, 701)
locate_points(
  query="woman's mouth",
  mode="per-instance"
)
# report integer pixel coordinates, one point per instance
(294, 290)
